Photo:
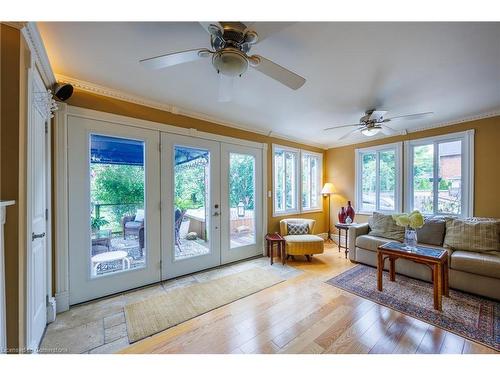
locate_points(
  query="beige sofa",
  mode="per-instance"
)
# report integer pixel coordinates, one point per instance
(473, 272)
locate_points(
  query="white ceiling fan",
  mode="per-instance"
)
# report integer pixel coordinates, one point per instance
(230, 42)
(374, 122)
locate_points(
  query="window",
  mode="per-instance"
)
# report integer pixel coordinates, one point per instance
(378, 178)
(297, 180)
(311, 180)
(439, 171)
(285, 180)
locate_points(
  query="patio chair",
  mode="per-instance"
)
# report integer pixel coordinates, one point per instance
(178, 221)
(131, 225)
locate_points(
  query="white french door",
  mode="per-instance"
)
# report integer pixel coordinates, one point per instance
(138, 215)
(114, 208)
(241, 202)
(190, 173)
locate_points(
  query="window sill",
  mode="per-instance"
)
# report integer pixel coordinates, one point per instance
(285, 213)
(311, 211)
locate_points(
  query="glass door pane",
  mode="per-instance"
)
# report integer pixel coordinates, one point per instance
(117, 212)
(423, 178)
(450, 177)
(191, 202)
(387, 180)
(241, 199)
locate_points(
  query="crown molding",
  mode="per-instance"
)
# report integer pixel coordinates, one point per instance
(15, 25)
(38, 52)
(419, 129)
(136, 99)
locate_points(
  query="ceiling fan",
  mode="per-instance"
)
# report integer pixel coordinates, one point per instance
(374, 122)
(230, 42)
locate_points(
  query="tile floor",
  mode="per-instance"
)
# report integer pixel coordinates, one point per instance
(99, 326)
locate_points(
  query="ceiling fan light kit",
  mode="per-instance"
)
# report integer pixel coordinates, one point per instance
(369, 132)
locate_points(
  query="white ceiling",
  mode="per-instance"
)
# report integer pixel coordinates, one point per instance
(452, 69)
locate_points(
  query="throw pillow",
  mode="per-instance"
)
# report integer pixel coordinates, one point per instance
(297, 229)
(382, 225)
(473, 234)
(139, 216)
(432, 233)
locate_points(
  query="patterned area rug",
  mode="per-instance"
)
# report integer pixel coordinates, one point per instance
(464, 314)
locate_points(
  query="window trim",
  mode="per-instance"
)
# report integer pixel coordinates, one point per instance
(296, 210)
(467, 169)
(398, 193)
(298, 181)
(319, 208)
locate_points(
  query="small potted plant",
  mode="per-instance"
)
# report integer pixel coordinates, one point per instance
(411, 222)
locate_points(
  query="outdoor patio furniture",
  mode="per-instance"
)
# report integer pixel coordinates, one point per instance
(110, 256)
(178, 221)
(131, 225)
(141, 241)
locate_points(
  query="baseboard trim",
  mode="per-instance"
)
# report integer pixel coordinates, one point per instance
(62, 302)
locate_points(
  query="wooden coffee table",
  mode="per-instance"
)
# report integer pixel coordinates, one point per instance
(435, 259)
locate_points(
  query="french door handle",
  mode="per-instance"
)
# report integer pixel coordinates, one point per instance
(35, 236)
(216, 214)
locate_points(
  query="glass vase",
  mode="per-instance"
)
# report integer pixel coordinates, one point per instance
(410, 239)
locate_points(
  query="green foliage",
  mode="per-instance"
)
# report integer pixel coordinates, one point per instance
(97, 222)
(241, 180)
(121, 186)
(189, 186)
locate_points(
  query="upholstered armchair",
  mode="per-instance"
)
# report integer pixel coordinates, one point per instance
(301, 244)
(131, 225)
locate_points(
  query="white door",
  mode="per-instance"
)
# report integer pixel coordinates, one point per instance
(190, 190)
(114, 208)
(241, 202)
(37, 205)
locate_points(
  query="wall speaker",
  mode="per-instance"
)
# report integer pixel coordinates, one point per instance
(63, 91)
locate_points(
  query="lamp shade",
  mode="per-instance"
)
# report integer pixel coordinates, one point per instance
(327, 188)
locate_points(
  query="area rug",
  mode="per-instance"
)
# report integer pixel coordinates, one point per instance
(158, 313)
(464, 314)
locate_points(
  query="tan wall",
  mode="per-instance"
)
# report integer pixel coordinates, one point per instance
(341, 172)
(101, 103)
(15, 60)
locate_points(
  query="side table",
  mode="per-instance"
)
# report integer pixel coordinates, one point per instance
(275, 239)
(341, 227)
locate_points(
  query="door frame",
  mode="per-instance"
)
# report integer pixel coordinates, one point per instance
(35, 82)
(61, 180)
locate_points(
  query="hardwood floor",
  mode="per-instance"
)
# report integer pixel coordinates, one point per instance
(305, 315)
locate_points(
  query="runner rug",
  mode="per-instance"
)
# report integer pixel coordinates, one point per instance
(156, 314)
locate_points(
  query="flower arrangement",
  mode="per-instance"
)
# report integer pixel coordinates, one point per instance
(414, 220)
(411, 222)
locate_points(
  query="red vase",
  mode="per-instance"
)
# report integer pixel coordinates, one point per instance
(342, 216)
(349, 211)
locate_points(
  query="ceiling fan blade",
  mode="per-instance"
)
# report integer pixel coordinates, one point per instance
(387, 130)
(342, 126)
(376, 115)
(348, 134)
(267, 29)
(277, 72)
(175, 58)
(415, 115)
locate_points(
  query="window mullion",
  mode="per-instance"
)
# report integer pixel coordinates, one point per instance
(435, 184)
(377, 181)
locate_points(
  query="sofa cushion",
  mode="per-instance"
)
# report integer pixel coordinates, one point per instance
(295, 228)
(369, 242)
(477, 235)
(432, 233)
(486, 264)
(384, 226)
(133, 224)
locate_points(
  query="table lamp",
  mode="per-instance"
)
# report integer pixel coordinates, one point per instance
(328, 189)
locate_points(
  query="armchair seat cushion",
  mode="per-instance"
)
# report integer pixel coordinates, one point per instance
(486, 264)
(304, 244)
(133, 224)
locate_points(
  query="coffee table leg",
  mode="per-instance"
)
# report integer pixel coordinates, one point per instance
(346, 243)
(438, 288)
(380, 268)
(339, 239)
(446, 287)
(392, 269)
(267, 248)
